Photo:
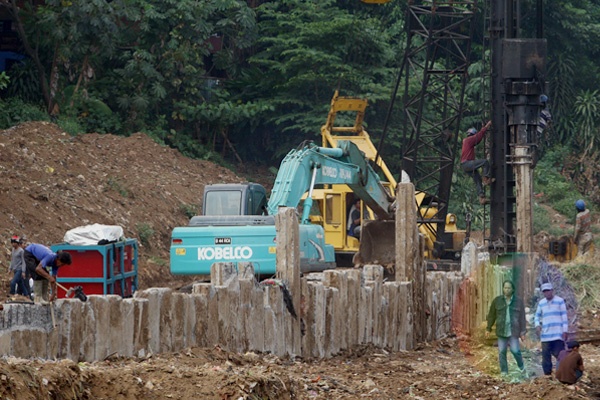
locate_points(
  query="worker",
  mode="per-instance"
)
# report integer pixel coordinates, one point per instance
(508, 313)
(19, 283)
(583, 221)
(570, 364)
(551, 325)
(39, 257)
(354, 219)
(471, 166)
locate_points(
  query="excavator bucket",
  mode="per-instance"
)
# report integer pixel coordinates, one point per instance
(377, 243)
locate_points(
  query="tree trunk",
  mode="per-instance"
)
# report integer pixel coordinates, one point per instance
(14, 10)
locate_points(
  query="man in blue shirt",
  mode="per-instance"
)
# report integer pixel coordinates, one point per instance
(37, 259)
(551, 325)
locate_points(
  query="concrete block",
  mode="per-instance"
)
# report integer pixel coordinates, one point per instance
(308, 313)
(222, 320)
(165, 311)
(376, 308)
(5, 342)
(223, 274)
(339, 280)
(116, 325)
(29, 343)
(140, 326)
(87, 347)
(127, 311)
(213, 317)
(353, 298)
(200, 320)
(256, 325)
(365, 312)
(189, 321)
(158, 319)
(332, 322)
(178, 309)
(245, 314)
(373, 273)
(69, 317)
(245, 271)
(274, 337)
(403, 321)
(101, 332)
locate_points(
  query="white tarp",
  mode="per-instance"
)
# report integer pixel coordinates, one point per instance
(90, 235)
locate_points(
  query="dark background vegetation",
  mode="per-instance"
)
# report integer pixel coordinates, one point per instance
(243, 82)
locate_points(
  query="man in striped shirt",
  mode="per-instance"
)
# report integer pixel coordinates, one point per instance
(551, 325)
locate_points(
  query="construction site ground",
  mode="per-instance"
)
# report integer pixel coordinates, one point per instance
(51, 182)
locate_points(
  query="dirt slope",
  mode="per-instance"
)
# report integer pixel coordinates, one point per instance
(51, 182)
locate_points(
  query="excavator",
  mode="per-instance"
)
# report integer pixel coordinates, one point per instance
(252, 238)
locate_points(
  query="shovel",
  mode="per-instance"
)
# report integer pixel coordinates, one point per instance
(77, 292)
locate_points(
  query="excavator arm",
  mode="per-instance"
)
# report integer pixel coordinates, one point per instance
(311, 165)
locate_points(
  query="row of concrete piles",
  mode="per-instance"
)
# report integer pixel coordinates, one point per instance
(334, 310)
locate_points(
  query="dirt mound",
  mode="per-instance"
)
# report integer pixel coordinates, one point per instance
(51, 182)
(434, 371)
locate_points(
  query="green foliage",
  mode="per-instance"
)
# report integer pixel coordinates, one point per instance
(189, 210)
(584, 279)
(70, 125)
(24, 82)
(587, 114)
(117, 185)
(307, 49)
(161, 262)
(145, 233)
(562, 82)
(541, 219)
(14, 111)
(554, 189)
(4, 79)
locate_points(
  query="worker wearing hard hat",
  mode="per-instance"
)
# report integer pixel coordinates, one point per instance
(582, 235)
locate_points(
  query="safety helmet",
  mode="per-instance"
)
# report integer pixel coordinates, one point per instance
(15, 239)
(580, 205)
(471, 131)
(543, 98)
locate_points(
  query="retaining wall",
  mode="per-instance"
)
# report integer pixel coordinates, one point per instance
(339, 309)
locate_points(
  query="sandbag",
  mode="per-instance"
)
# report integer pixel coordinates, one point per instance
(91, 235)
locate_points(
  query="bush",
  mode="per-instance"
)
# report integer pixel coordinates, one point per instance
(70, 125)
(118, 186)
(14, 111)
(541, 219)
(584, 280)
(189, 210)
(145, 232)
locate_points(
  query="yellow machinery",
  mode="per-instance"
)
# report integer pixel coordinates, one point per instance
(332, 203)
(564, 249)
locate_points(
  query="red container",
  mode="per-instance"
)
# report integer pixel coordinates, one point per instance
(101, 269)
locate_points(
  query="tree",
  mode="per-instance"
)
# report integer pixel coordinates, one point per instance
(306, 50)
